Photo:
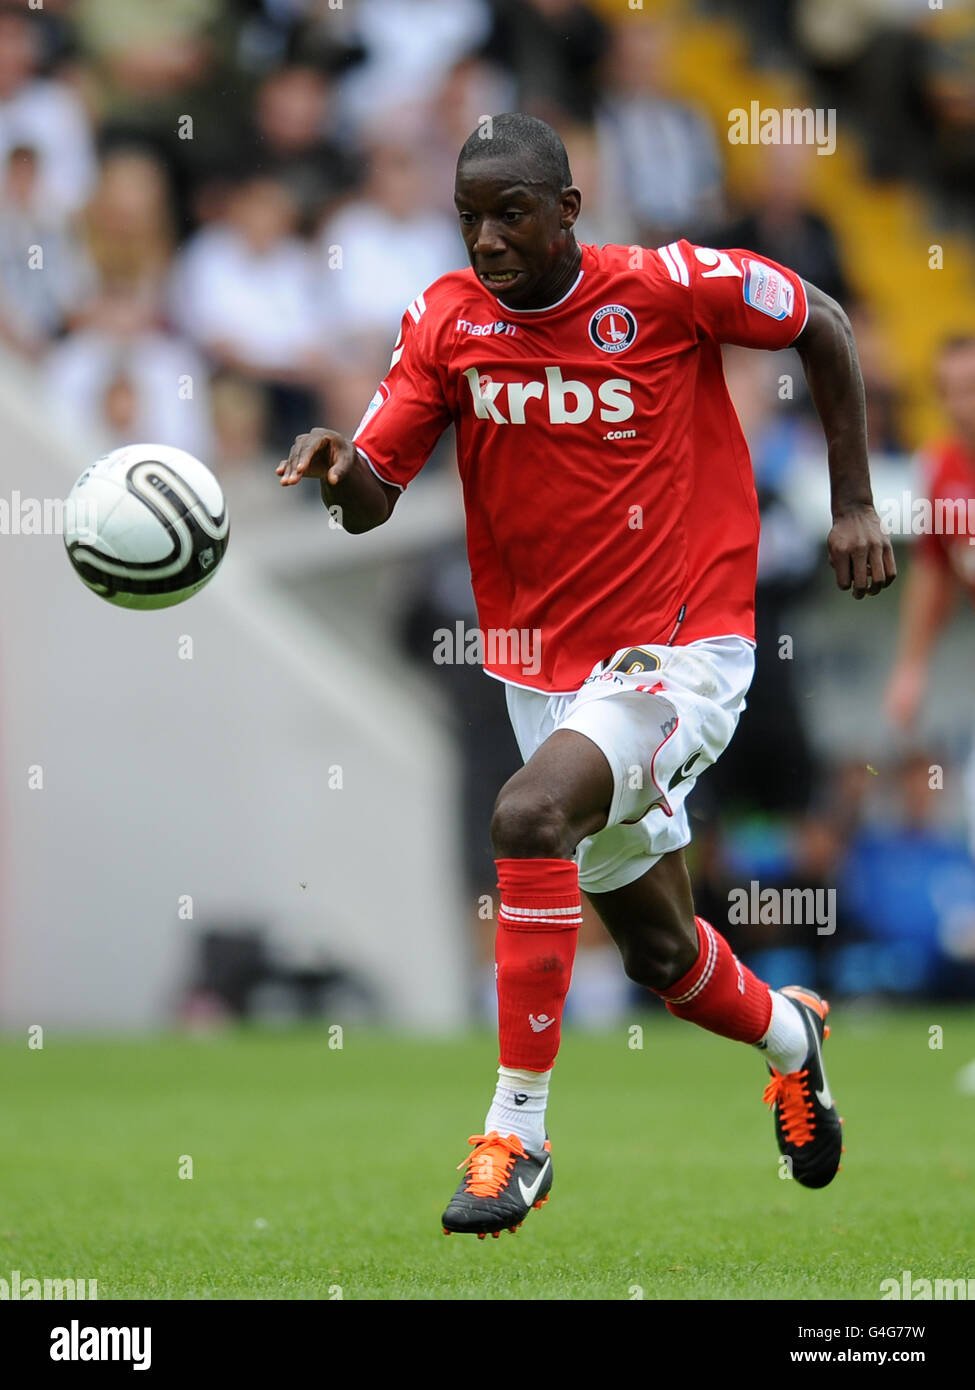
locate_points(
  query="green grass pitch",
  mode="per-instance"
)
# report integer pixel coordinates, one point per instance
(317, 1171)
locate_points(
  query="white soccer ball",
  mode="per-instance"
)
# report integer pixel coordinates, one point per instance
(146, 526)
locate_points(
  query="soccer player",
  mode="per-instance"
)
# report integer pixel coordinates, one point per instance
(612, 533)
(943, 560)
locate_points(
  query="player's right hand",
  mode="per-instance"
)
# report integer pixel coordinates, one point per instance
(860, 552)
(319, 454)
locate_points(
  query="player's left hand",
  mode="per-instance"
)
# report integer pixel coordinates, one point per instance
(861, 553)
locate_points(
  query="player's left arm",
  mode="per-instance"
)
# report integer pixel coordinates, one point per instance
(859, 548)
(738, 297)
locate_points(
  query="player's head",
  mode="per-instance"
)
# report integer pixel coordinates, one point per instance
(955, 375)
(517, 207)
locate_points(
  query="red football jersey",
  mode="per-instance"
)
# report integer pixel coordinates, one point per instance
(949, 484)
(607, 484)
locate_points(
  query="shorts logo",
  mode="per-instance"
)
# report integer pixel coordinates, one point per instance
(612, 328)
(635, 661)
(684, 771)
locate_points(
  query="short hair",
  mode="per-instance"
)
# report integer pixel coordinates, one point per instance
(530, 145)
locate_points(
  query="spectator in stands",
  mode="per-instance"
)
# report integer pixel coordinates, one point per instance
(44, 273)
(122, 376)
(272, 32)
(44, 114)
(553, 49)
(240, 427)
(942, 564)
(375, 256)
(146, 58)
(884, 397)
(782, 223)
(868, 59)
(408, 46)
(129, 222)
(244, 290)
(288, 137)
(949, 84)
(659, 151)
(55, 35)
(770, 26)
(159, 76)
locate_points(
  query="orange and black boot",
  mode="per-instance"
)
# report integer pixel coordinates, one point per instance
(503, 1181)
(807, 1124)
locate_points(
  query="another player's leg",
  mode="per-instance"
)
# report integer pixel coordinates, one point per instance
(681, 958)
(561, 795)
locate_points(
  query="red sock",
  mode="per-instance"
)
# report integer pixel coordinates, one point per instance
(538, 925)
(719, 993)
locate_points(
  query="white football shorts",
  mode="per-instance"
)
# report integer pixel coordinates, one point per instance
(660, 715)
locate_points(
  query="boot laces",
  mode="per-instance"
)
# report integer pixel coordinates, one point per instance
(790, 1092)
(490, 1163)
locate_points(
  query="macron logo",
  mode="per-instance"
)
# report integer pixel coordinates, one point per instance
(486, 330)
(539, 1024)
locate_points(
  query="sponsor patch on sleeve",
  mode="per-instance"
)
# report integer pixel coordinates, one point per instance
(381, 396)
(767, 290)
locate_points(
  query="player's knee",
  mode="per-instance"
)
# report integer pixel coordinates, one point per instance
(657, 959)
(528, 824)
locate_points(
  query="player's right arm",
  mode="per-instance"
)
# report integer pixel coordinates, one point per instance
(364, 501)
(364, 475)
(929, 597)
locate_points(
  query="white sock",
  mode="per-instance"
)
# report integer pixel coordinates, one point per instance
(786, 1043)
(519, 1106)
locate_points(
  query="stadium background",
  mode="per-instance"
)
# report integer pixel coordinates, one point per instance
(285, 817)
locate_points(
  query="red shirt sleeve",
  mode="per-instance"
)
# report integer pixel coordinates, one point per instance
(928, 546)
(409, 412)
(742, 298)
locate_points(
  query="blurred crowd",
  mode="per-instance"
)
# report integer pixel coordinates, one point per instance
(241, 196)
(233, 201)
(901, 71)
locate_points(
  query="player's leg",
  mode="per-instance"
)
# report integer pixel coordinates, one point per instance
(561, 795)
(691, 967)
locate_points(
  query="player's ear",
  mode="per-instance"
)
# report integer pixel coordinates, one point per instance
(570, 201)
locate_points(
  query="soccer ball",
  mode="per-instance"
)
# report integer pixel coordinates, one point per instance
(146, 526)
